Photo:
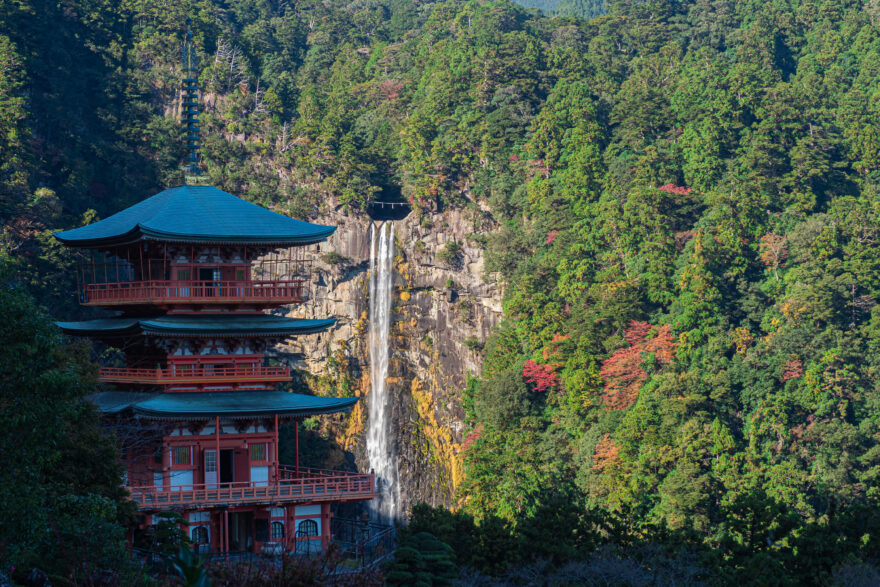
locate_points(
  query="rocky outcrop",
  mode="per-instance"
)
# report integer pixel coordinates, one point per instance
(442, 311)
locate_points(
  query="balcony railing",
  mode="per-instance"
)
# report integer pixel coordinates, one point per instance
(198, 292)
(196, 375)
(287, 472)
(338, 486)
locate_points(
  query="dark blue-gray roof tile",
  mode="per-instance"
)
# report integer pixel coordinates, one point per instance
(196, 214)
(198, 325)
(222, 404)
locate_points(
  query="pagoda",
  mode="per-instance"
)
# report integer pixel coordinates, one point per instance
(190, 274)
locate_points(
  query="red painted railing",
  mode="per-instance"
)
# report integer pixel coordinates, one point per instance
(287, 472)
(340, 486)
(204, 292)
(196, 374)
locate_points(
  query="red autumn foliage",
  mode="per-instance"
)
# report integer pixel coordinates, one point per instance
(542, 377)
(513, 158)
(671, 188)
(472, 438)
(606, 455)
(623, 372)
(551, 236)
(793, 370)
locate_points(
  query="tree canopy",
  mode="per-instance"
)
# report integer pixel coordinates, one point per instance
(681, 199)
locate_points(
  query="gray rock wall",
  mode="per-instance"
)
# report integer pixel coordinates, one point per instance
(438, 306)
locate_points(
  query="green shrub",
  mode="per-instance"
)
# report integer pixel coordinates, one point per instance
(450, 253)
(503, 399)
(333, 258)
(473, 343)
(422, 559)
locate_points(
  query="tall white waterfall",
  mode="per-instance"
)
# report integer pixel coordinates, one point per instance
(380, 449)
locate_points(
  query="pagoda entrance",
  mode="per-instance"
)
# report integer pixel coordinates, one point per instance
(227, 466)
(241, 531)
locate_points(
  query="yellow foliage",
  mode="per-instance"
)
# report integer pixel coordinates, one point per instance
(404, 296)
(443, 448)
(354, 425)
(353, 428)
(361, 324)
(743, 339)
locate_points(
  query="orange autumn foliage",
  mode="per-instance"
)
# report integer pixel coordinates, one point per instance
(606, 455)
(623, 371)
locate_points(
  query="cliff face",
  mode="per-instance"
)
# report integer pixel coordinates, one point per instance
(442, 311)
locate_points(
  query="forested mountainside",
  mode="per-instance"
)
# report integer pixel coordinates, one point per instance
(680, 199)
(581, 8)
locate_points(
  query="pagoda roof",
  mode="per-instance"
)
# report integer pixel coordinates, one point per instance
(231, 404)
(196, 214)
(198, 326)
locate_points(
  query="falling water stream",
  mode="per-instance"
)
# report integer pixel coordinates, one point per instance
(380, 446)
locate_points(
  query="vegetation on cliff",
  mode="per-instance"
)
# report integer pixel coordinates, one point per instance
(680, 197)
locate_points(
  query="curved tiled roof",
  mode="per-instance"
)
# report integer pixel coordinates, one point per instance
(196, 214)
(224, 404)
(200, 326)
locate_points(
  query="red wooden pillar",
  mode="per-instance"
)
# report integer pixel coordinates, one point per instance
(166, 462)
(217, 454)
(289, 528)
(226, 533)
(276, 450)
(296, 444)
(325, 526)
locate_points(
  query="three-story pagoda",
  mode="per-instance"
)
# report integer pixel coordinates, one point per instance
(190, 273)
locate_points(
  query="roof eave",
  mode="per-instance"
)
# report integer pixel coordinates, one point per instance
(158, 235)
(282, 332)
(140, 233)
(345, 406)
(132, 236)
(155, 415)
(98, 333)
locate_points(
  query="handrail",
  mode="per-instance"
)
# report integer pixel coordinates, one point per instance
(203, 291)
(290, 472)
(200, 373)
(329, 488)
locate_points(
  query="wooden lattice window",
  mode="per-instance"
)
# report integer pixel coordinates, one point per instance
(307, 528)
(258, 452)
(180, 455)
(277, 530)
(200, 535)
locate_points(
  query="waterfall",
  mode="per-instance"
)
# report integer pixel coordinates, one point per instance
(380, 446)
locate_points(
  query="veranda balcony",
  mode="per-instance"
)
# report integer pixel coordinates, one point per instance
(291, 486)
(202, 376)
(194, 292)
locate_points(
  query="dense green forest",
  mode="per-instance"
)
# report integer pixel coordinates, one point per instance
(683, 206)
(581, 8)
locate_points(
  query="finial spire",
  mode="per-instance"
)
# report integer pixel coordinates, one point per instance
(192, 173)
